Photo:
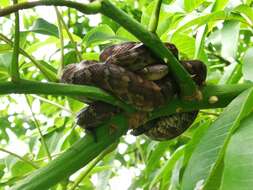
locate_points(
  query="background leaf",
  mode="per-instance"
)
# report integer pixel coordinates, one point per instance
(41, 26)
(248, 64)
(238, 162)
(209, 152)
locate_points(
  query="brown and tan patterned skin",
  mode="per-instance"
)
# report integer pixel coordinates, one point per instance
(132, 73)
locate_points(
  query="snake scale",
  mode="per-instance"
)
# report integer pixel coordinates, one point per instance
(131, 72)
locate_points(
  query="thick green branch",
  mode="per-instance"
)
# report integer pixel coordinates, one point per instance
(223, 93)
(33, 87)
(76, 157)
(90, 8)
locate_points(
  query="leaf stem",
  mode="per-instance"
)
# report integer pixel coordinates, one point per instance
(60, 29)
(155, 16)
(44, 144)
(66, 28)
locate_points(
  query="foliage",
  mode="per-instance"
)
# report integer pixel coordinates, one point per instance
(215, 153)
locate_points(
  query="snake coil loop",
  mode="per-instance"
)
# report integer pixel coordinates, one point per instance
(131, 72)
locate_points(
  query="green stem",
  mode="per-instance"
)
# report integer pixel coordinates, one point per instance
(76, 157)
(66, 28)
(15, 55)
(44, 144)
(92, 164)
(53, 103)
(20, 158)
(60, 29)
(33, 87)
(155, 17)
(90, 8)
(223, 93)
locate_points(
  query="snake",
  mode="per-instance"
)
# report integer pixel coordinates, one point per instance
(132, 73)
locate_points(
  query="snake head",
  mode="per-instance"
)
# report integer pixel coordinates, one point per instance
(197, 70)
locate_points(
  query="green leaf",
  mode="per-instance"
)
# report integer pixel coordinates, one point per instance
(245, 11)
(4, 3)
(98, 35)
(17, 166)
(41, 26)
(190, 5)
(123, 34)
(153, 161)
(165, 172)
(5, 62)
(230, 36)
(54, 141)
(202, 20)
(5, 48)
(248, 64)
(184, 43)
(219, 5)
(209, 152)
(91, 56)
(238, 162)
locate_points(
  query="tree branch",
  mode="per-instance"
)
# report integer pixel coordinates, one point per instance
(90, 8)
(223, 95)
(76, 157)
(33, 87)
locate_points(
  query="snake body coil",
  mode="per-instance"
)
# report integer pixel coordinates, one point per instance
(132, 73)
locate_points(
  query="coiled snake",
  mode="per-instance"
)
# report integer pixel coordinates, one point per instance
(132, 73)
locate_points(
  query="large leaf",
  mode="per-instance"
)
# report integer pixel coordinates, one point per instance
(219, 5)
(212, 17)
(246, 11)
(248, 65)
(184, 43)
(190, 5)
(165, 172)
(4, 3)
(41, 26)
(209, 152)
(123, 34)
(100, 34)
(238, 162)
